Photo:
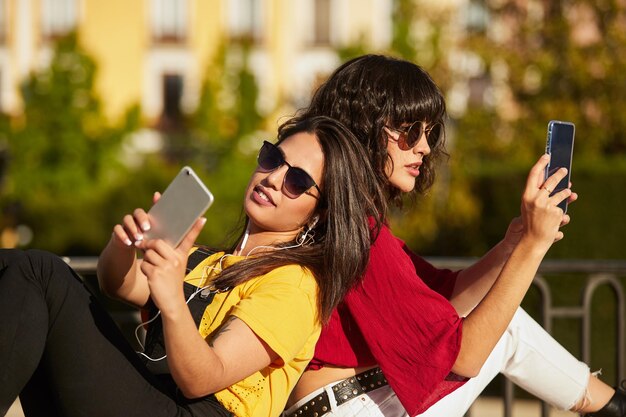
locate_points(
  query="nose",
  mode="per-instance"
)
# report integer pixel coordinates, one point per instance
(276, 178)
(422, 145)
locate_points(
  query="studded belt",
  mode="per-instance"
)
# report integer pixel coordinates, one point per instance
(343, 392)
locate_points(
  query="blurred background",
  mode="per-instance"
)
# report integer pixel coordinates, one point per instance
(102, 102)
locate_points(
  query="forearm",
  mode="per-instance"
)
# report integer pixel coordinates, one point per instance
(474, 282)
(484, 326)
(117, 273)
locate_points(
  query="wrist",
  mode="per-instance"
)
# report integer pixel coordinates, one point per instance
(533, 247)
(508, 245)
(173, 309)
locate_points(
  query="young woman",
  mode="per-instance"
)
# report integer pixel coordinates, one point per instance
(233, 332)
(413, 339)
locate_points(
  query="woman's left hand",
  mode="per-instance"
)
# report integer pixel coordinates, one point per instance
(164, 267)
(516, 228)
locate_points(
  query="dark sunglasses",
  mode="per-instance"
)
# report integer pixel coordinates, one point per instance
(296, 180)
(409, 136)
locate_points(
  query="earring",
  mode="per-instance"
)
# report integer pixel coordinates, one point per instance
(302, 238)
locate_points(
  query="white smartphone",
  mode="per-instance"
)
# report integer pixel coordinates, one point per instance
(560, 146)
(180, 205)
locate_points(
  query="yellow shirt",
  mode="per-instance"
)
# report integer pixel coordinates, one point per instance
(281, 308)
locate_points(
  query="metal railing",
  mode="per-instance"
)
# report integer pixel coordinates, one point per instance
(595, 274)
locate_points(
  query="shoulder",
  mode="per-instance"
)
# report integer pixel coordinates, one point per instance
(386, 239)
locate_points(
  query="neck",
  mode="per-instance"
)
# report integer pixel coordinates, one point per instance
(257, 241)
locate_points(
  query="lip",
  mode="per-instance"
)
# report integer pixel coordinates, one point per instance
(259, 199)
(413, 169)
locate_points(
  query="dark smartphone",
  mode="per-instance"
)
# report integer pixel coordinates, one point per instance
(560, 146)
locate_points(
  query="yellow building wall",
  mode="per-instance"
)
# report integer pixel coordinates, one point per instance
(116, 34)
(205, 32)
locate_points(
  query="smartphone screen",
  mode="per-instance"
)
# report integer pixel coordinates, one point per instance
(180, 205)
(560, 146)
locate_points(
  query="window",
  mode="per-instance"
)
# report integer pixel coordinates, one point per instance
(169, 20)
(172, 116)
(245, 20)
(3, 21)
(322, 22)
(477, 17)
(58, 17)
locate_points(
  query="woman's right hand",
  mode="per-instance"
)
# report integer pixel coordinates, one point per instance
(541, 215)
(130, 232)
(119, 269)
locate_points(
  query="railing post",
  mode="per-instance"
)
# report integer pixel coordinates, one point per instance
(594, 281)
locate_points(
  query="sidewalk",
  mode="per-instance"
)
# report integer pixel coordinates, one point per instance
(494, 407)
(484, 407)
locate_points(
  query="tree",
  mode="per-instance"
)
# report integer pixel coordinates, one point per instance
(221, 136)
(544, 61)
(62, 155)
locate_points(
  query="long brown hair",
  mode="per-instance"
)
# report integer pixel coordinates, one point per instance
(370, 91)
(339, 252)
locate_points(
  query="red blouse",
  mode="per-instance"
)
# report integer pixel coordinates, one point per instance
(399, 318)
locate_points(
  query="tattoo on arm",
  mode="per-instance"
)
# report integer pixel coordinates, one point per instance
(222, 329)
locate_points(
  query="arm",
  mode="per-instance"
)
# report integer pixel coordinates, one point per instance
(474, 282)
(541, 218)
(199, 368)
(119, 271)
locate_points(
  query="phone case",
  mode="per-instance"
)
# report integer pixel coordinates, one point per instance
(560, 146)
(184, 200)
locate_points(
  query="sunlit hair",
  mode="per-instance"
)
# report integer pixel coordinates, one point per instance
(339, 252)
(371, 91)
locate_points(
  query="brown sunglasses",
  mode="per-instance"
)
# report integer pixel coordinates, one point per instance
(409, 136)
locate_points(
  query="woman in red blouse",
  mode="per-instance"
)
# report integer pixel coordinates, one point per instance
(413, 339)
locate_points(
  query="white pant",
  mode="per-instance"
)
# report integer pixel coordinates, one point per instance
(526, 354)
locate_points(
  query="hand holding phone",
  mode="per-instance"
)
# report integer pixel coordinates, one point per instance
(560, 147)
(182, 203)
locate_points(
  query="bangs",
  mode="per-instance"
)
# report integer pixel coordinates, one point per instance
(413, 96)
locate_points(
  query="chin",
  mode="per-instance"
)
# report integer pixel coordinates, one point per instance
(408, 187)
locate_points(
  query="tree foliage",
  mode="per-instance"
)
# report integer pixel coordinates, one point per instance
(69, 176)
(62, 156)
(221, 136)
(517, 65)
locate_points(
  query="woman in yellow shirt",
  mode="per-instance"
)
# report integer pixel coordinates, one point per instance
(229, 335)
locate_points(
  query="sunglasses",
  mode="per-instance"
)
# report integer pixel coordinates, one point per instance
(409, 136)
(296, 181)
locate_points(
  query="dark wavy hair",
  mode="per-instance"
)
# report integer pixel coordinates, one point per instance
(339, 252)
(371, 91)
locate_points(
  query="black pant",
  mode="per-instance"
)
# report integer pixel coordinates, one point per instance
(64, 356)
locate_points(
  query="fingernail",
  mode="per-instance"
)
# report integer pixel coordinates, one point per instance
(145, 226)
(546, 156)
(138, 237)
(127, 242)
(203, 220)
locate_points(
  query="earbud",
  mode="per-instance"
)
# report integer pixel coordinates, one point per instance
(309, 227)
